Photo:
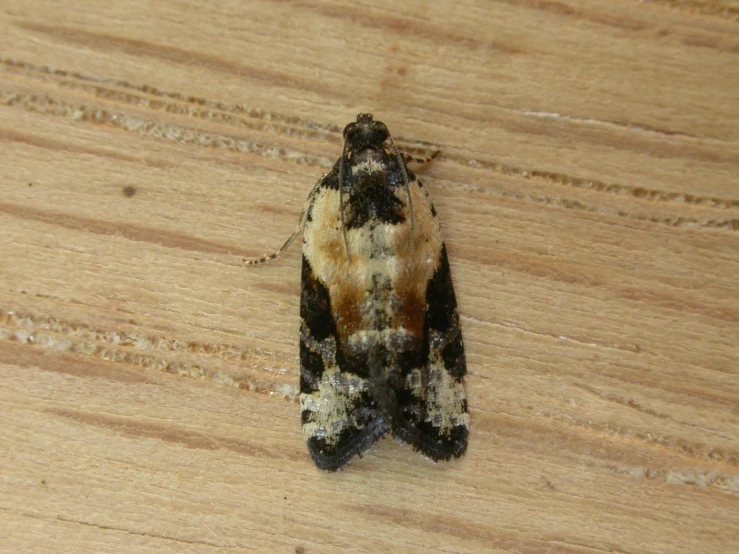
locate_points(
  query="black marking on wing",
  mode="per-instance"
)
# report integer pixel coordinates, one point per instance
(453, 356)
(311, 368)
(355, 363)
(409, 360)
(364, 423)
(411, 425)
(395, 172)
(440, 299)
(441, 447)
(352, 441)
(318, 324)
(315, 305)
(371, 199)
(331, 179)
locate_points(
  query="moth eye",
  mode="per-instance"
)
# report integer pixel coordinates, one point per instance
(349, 128)
(380, 130)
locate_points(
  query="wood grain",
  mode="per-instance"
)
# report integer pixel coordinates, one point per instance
(588, 189)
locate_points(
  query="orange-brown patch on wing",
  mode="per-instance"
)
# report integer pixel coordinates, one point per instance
(418, 249)
(344, 278)
(323, 242)
(412, 315)
(346, 301)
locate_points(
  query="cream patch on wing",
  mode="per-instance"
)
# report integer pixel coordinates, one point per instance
(441, 394)
(410, 254)
(444, 397)
(332, 405)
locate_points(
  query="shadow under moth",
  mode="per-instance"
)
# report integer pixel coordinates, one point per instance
(380, 344)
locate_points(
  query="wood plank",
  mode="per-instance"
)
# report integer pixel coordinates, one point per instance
(588, 190)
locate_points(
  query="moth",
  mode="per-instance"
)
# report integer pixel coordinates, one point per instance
(380, 344)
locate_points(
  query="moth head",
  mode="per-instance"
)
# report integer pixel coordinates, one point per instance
(365, 133)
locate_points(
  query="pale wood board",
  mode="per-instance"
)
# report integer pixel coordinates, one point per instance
(589, 192)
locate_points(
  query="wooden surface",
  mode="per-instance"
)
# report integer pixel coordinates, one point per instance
(589, 192)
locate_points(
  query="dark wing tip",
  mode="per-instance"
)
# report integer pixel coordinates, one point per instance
(429, 440)
(332, 457)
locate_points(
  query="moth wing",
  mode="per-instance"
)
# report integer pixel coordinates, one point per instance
(338, 415)
(432, 409)
(339, 412)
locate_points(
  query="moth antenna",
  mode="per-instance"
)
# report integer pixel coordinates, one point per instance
(299, 229)
(405, 184)
(341, 202)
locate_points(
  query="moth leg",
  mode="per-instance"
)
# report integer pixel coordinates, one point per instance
(407, 158)
(299, 229)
